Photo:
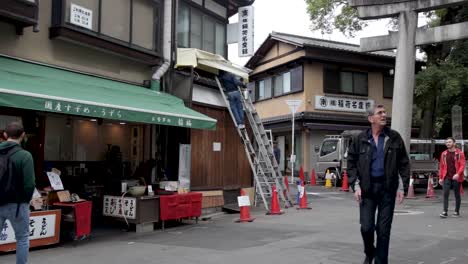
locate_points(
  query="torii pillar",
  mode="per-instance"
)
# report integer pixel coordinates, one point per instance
(405, 41)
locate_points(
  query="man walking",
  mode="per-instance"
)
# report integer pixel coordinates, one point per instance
(231, 84)
(451, 167)
(17, 182)
(378, 167)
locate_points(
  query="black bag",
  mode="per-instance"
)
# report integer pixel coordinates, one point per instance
(8, 183)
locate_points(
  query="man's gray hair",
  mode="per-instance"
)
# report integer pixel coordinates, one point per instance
(371, 109)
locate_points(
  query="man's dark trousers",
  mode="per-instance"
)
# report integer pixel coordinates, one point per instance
(384, 202)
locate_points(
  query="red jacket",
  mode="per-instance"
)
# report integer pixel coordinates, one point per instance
(459, 164)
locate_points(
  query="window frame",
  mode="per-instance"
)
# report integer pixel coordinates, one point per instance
(59, 20)
(337, 81)
(218, 20)
(383, 85)
(328, 142)
(281, 75)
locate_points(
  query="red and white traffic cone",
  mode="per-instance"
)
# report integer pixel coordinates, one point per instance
(430, 188)
(275, 207)
(313, 179)
(302, 198)
(244, 210)
(410, 194)
(345, 185)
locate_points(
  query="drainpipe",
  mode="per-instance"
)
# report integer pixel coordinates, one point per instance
(167, 21)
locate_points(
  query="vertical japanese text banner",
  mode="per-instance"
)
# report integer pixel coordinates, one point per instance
(246, 31)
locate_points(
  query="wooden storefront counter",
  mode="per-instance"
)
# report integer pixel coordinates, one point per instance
(142, 211)
(44, 229)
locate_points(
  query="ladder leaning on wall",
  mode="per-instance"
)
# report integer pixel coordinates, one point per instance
(262, 160)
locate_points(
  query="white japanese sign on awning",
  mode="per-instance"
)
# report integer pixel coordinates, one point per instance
(246, 31)
(342, 104)
(40, 227)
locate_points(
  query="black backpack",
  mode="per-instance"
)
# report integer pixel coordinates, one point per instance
(8, 183)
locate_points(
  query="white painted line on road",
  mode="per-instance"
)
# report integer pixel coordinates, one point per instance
(452, 259)
(319, 194)
(408, 213)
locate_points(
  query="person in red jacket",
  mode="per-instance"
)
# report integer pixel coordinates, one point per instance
(451, 167)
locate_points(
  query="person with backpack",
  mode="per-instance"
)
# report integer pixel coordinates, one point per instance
(17, 183)
(451, 168)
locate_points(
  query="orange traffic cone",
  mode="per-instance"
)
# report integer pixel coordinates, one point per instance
(345, 185)
(313, 179)
(301, 174)
(410, 194)
(303, 198)
(430, 188)
(275, 208)
(244, 210)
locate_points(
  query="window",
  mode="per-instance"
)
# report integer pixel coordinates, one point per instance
(183, 26)
(264, 89)
(328, 147)
(220, 39)
(132, 23)
(283, 83)
(278, 85)
(116, 28)
(286, 82)
(196, 29)
(209, 35)
(296, 79)
(252, 90)
(143, 14)
(346, 82)
(261, 90)
(388, 86)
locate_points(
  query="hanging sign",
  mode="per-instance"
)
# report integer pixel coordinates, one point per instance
(246, 31)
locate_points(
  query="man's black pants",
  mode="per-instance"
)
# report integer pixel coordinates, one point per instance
(384, 202)
(455, 186)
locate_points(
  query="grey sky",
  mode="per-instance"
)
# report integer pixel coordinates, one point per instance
(290, 16)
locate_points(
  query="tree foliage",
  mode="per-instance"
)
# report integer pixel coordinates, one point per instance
(328, 15)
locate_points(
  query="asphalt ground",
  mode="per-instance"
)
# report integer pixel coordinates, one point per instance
(328, 233)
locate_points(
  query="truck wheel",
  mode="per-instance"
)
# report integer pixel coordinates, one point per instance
(435, 182)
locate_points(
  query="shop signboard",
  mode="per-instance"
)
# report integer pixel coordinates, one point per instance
(342, 104)
(44, 229)
(71, 108)
(117, 206)
(246, 31)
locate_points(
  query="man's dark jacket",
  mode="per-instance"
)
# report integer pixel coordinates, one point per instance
(396, 161)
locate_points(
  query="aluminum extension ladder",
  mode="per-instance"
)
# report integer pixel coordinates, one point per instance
(261, 158)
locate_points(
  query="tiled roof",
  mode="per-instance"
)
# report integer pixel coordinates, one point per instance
(314, 42)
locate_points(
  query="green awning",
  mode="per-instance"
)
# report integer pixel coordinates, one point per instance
(43, 88)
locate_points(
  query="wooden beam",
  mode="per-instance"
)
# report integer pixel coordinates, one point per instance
(423, 36)
(356, 3)
(393, 9)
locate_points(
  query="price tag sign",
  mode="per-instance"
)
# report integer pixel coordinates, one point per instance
(243, 201)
